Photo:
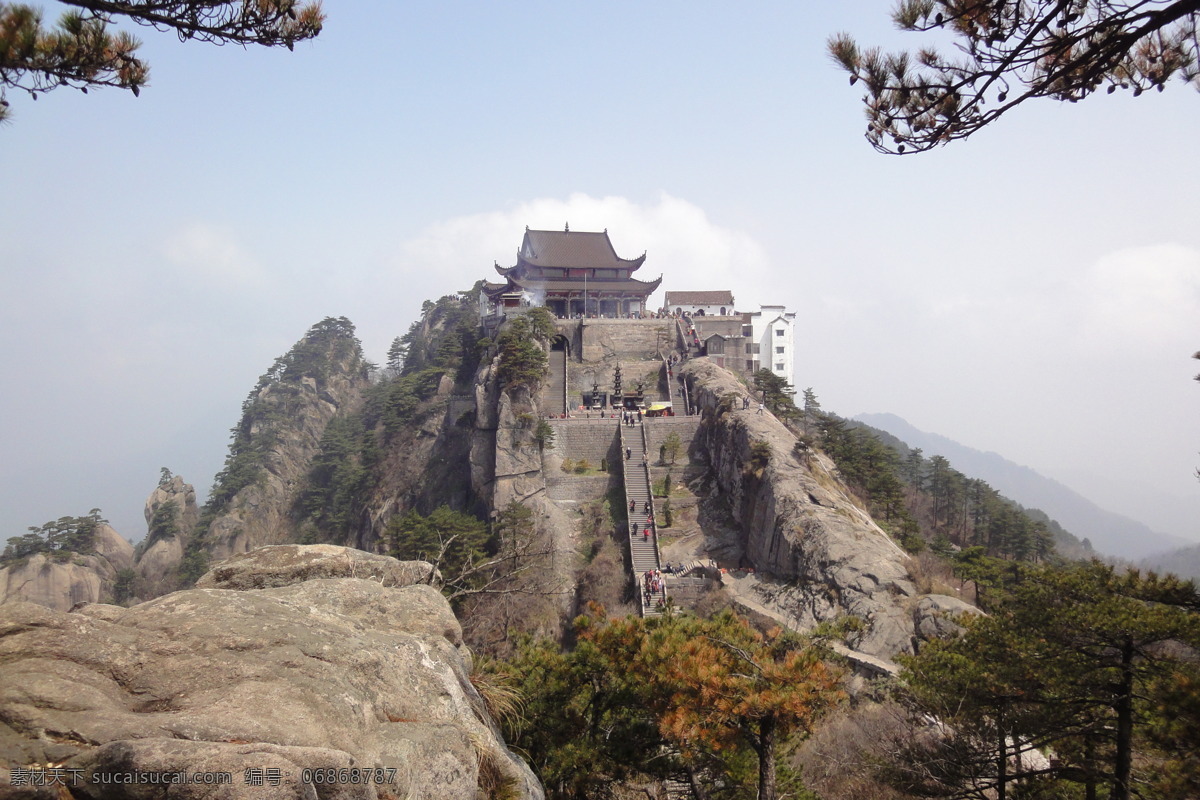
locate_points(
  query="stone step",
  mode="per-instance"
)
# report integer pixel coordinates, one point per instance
(643, 551)
(677, 790)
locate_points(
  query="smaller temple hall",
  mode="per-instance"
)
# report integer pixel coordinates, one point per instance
(572, 273)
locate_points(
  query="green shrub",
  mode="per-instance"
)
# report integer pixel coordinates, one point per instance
(662, 488)
(671, 446)
(450, 540)
(164, 523)
(522, 361)
(543, 434)
(760, 455)
(123, 588)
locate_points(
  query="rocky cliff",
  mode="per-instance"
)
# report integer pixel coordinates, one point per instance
(506, 462)
(280, 431)
(60, 580)
(322, 454)
(344, 676)
(817, 553)
(171, 515)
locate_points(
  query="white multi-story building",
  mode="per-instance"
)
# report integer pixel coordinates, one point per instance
(771, 340)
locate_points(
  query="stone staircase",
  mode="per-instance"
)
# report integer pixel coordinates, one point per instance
(554, 395)
(643, 547)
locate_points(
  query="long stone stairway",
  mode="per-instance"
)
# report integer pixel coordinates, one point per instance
(643, 545)
(555, 394)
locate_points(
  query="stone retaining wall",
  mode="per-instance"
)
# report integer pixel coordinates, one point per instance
(591, 439)
(565, 488)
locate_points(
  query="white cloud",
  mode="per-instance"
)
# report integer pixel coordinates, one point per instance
(681, 243)
(214, 256)
(1142, 297)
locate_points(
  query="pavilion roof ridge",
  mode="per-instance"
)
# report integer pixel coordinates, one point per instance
(567, 248)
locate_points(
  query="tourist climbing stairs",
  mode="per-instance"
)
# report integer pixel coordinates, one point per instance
(639, 506)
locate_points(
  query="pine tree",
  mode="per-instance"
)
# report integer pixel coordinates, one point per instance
(452, 541)
(1065, 661)
(724, 684)
(1010, 52)
(396, 354)
(83, 52)
(777, 394)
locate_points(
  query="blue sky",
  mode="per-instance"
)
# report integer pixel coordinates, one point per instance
(1034, 290)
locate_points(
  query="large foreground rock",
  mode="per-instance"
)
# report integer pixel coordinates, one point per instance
(285, 564)
(344, 673)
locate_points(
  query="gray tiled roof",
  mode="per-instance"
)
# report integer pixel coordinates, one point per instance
(573, 249)
(722, 297)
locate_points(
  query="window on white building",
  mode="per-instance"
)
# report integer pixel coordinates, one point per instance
(779, 331)
(779, 367)
(778, 349)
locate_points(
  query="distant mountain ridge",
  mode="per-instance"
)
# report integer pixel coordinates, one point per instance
(1109, 533)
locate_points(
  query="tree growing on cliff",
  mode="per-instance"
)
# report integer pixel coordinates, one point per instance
(1013, 51)
(164, 522)
(776, 393)
(516, 588)
(328, 349)
(57, 537)
(452, 541)
(396, 354)
(83, 51)
(523, 360)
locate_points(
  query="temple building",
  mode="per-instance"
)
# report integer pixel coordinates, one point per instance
(572, 273)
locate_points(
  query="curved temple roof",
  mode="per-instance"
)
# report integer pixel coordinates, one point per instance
(557, 261)
(579, 249)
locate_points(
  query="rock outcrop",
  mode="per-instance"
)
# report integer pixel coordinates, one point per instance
(506, 462)
(328, 687)
(284, 421)
(286, 564)
(60, 580)
(818, 551)
(167, 539)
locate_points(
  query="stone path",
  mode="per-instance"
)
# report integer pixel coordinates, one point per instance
(555, 393)
(643, 548)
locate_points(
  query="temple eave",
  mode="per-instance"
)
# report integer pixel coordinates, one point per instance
(634, 263)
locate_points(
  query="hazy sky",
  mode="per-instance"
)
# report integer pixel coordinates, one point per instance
(1033, 291)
